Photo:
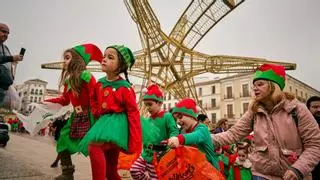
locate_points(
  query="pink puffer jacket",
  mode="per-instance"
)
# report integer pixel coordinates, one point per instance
(278, 139)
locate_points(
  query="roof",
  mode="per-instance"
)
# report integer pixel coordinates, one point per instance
(36, 80)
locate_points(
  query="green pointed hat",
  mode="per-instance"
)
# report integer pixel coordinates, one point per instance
(89, 52)
(126, 53)
(271, 72)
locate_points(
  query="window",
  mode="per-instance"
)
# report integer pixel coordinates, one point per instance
(245, 90)
(35, 99)
(36, 91)
(229, 92)
(39, 99)
(40, 92)
(213, 103)
(290, 88)
(230, 111)
(213, 117)
(213, 89)
(296, 92)
(32, 91)
(20, 94)
(301, 93)
(169, 98)
(200, 91)
(200, 103)
(169, 106)
(164, 106)
(245, 107)
(306, 96)
(31, 99)
(30, 108)
(165, 97)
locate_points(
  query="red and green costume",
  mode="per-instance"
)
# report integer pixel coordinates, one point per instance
(168, 128)
(240, 171)
(114, 104)
(82, 100)
(199, 136)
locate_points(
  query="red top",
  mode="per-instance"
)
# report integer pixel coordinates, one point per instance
(76, 100)
(110, 97)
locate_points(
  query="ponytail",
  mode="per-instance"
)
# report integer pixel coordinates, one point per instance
(126, 75)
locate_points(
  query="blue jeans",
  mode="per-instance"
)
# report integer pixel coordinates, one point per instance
(258, 178)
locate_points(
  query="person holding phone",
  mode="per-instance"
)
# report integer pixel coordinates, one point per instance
(6, 62)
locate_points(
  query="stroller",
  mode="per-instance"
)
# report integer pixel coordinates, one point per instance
(4, 133)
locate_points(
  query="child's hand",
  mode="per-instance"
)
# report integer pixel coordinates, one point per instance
(173, 142)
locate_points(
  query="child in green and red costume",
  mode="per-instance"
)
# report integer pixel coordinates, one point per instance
(223, 161)
(194, 133)
(162, 120)
(77, 84)
(241, 169)
(118, 127)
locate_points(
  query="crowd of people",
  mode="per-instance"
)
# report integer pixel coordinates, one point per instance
(277, 138)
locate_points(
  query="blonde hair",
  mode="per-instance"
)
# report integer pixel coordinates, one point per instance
(275, 96)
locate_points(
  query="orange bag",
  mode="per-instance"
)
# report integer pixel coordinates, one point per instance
(126, 160)
(185, 163)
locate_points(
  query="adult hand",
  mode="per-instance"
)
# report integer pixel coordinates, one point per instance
(173, 142)
(290, 175)
(17, 58)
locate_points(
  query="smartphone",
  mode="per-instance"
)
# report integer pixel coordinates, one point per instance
(22, 51)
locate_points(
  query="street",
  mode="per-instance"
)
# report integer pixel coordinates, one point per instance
(29, 158)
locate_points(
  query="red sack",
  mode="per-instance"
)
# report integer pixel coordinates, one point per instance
(185, 163)
(126, 160)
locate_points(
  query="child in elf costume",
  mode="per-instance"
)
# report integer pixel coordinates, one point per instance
(194, 133)
(223, 161)
(153, 100)
(118, 127)
(77, 84)
(241, 169)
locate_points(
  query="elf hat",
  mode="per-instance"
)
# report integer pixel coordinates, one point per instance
(271, 72)
(186, 107)
(126, 53)
(89, 52)
(153, 93)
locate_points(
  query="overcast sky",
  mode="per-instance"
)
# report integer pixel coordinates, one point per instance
(284, 30)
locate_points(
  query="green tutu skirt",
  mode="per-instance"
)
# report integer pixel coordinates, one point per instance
(65, 142)
(113, 128)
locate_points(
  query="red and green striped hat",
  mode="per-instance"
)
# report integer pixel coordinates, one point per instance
(153, 93)
(271, 72)
(89, 52)
(186, 107)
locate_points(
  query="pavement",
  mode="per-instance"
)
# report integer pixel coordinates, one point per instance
(29, 158)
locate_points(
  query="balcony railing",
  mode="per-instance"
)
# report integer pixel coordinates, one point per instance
(228, 96)
(231, 116)
(245, 94)
(211, 107)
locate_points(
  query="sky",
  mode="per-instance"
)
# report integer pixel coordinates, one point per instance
(286, 30)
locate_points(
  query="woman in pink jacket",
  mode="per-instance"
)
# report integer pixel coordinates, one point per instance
(286, 135)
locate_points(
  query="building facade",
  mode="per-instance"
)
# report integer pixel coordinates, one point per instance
(230, 97)
(51, 93)
(31, 91)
